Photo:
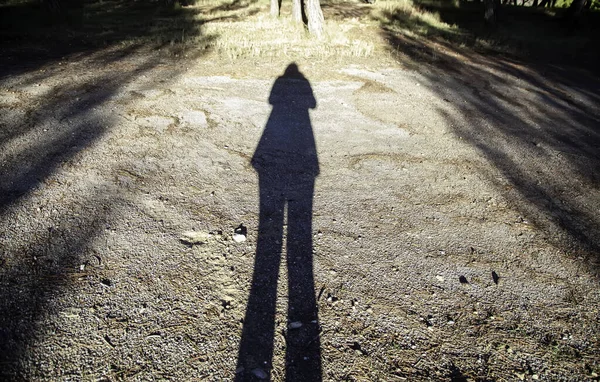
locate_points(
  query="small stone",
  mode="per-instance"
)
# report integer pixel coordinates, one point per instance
(463, 280)
(295, 325)
(238, 238)
(495, 277)
(239, 234)
(72, 312)
(194, 237)
(260, 373)
(440, 278)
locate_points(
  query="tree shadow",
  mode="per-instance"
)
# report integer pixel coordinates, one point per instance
(57, 125)
(31, 39)
(526, 33)
(35, 273)
(36, 270)
(287, 165)
(537, 125)
(234, 5)
(340, 10)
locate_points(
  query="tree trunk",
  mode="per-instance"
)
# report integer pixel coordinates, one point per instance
(574, 12)
(297, 11)
(492, 8)
(315, 17)
(275, 8)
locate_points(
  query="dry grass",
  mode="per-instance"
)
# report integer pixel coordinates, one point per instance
(238, 29)
(251, 32)
(263, 36)
(410, 18)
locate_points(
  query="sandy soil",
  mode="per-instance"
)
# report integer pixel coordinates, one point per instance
(454, 222)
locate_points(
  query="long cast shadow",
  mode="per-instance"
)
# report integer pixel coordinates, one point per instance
(287, 165)
(35, 271)
(553, 121)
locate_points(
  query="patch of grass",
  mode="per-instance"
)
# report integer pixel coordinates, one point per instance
(409, 18)
(263, 36)
(252, 32)
(244, 29)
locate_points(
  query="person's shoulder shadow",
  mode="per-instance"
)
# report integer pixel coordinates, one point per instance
(287, 145)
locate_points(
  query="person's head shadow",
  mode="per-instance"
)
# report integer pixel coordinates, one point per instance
(287, 164)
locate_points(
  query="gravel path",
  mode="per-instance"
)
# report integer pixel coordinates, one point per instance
(454, 223)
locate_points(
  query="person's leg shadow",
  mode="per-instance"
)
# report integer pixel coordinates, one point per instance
(287, 165)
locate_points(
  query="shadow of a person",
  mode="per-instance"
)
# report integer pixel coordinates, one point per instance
(287, 165)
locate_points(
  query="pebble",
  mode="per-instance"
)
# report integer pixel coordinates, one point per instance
(239, 238)
(295, 325)
(495, 277)
(260, 373)
(194, 237)
(239, 234)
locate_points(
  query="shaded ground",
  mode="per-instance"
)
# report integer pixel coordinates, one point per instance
(454, 218)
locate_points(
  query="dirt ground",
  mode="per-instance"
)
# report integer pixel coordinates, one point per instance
(454, 221)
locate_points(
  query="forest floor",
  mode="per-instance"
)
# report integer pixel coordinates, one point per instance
(455, 221)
